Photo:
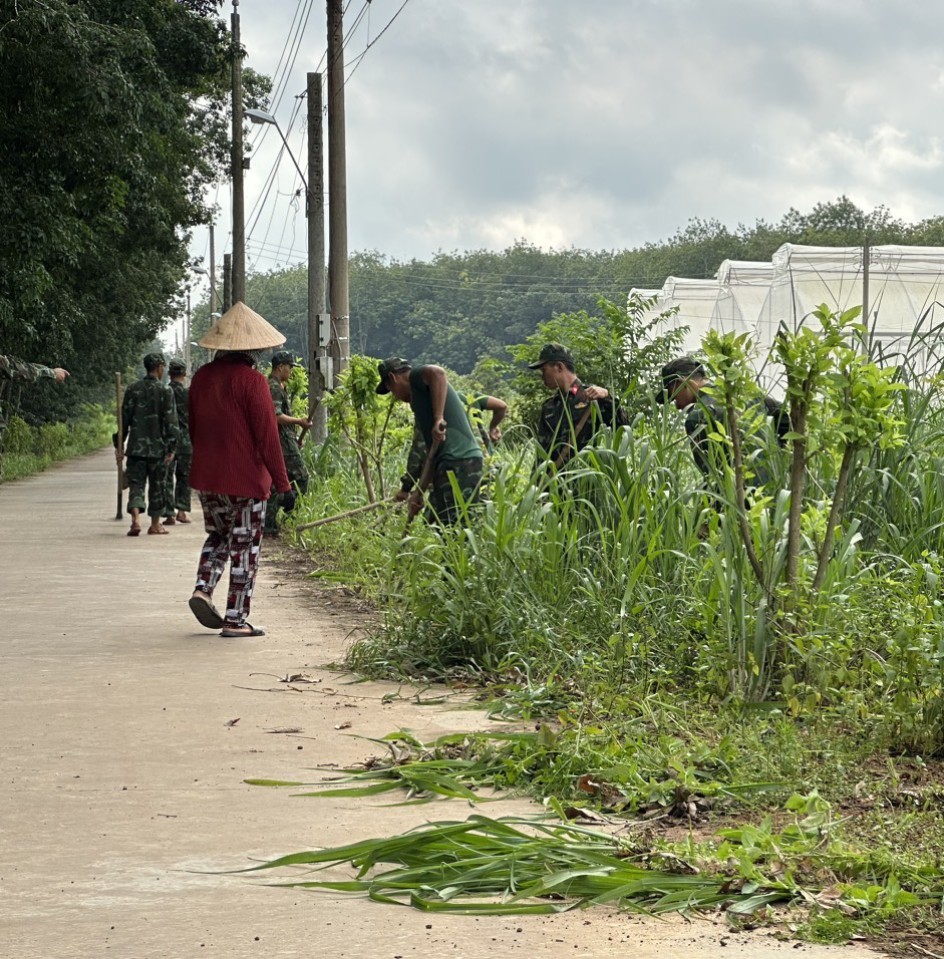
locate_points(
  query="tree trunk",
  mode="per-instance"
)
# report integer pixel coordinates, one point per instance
(839, 496)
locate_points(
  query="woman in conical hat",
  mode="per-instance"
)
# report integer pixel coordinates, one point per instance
(237, 460)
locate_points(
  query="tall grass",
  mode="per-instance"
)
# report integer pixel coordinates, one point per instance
(622, 578)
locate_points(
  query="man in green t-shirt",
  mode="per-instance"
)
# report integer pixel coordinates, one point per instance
(440, 418)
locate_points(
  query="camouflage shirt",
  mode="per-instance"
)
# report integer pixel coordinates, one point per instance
(19, 371)
(287, 435)
(149, 419)
(181, 402)
(564, 411)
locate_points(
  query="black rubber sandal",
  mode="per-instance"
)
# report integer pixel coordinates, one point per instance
(207, 614)
(236, 632)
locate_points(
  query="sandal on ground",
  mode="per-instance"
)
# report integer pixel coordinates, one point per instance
(134, 531)
(207, 614)
(157, 531)
(170, 521)
(240, 632)
(184, 519)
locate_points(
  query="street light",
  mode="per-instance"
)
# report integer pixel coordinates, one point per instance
(260, 116)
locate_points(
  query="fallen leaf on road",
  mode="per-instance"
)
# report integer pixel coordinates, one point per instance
(233, 722)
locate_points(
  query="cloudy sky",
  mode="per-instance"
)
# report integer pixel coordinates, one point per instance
(598, 124)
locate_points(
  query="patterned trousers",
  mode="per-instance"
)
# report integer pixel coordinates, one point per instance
(234, 533)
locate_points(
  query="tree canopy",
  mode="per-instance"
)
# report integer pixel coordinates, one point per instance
(109, 132)
(460, 308)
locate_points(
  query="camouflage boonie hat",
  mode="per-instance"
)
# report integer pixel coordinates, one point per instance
(392, 364)
(176, 367)
(552, 353)
(283, 358)
(153, 360)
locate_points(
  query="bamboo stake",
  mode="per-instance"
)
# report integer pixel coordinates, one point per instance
(119, 445)
(351, 512)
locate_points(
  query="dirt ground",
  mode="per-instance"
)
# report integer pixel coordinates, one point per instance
(128, 731)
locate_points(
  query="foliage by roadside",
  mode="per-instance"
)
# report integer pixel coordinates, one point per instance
(31, 449)
(615, 605)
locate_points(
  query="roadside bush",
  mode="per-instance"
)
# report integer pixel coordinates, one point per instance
(29, 450)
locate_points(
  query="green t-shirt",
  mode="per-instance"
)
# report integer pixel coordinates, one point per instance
(460, 443)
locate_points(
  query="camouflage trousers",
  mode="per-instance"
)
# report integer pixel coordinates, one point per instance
(177, 494)
(443, 508)
(150, 473)
(234, 534)
(298, 479)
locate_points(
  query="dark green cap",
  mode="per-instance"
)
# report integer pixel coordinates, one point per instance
(678, 371)
(552, 353)
(392, 364)
(283, 358)
(152, 361)
(176, 367)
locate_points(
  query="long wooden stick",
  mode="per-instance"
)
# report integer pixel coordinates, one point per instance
(351, 512)
(119, 445)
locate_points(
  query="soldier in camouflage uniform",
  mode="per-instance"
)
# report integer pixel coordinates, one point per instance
(12, 373)
(573, 414)
(282, 364)
(442, 425)
(177, 495)
(149, 423)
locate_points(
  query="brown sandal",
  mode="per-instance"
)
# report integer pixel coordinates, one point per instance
(134, 531)
(157, 531)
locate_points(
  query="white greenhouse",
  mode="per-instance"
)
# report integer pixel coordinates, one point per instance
(904, 287)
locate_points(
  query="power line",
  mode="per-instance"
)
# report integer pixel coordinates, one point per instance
(356, 62)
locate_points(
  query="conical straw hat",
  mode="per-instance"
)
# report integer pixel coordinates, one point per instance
(240, 328)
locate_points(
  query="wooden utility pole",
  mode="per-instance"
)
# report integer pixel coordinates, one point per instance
(227, 281)
(236, 164)
(316, 260)
(337, 194)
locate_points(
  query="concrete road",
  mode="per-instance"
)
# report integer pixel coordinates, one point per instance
(127, 732)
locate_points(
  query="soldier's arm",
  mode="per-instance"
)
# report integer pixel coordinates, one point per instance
(435, 378)
(696, 426)
(126, 416)
(19, 371)
(171, 429)
(498, 408)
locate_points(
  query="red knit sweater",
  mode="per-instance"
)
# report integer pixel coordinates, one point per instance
(236, 449)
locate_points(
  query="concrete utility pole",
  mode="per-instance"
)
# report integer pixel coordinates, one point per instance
(212, 272)
(236, 164)
(337, 194)
(227, 281)
(317, 349)
(187, 334)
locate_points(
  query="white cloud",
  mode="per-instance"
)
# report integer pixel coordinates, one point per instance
(609, 123)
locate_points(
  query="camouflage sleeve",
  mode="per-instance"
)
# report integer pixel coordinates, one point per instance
(126, 416)
(275, 391)
(22, 372)
(170, 430)
(697, 425)
(548, 425)
(414, 462)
